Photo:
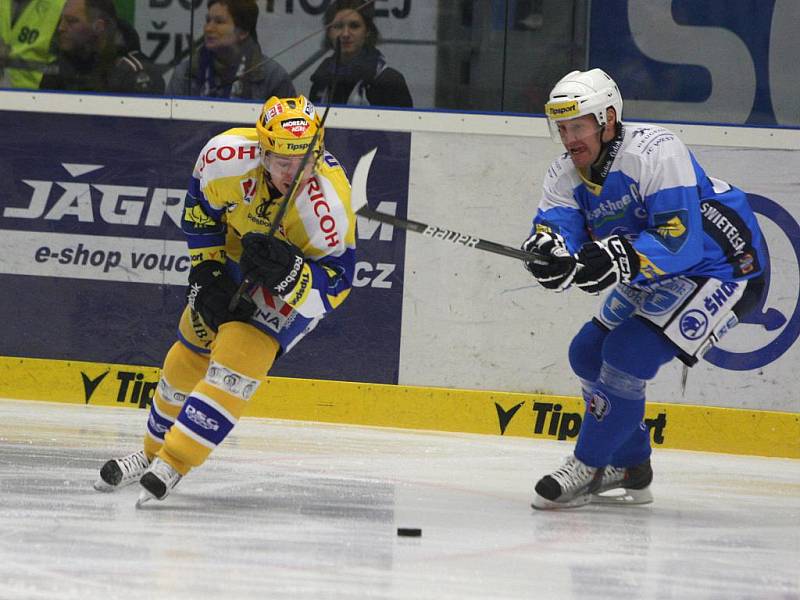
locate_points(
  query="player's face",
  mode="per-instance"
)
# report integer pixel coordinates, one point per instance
(349, 27)
(220, 31)
(581, 138)
(282, 170)
(74, 29)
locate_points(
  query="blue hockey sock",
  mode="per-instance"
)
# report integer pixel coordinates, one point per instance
(614, 411)
(635, 450)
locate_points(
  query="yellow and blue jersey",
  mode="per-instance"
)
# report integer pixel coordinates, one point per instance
(680, 220)
(229, 197)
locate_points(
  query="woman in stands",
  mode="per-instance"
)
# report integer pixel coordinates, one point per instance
(230, 63)
(362, 75)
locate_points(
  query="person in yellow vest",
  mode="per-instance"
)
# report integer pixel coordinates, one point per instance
(26, 30)
(300, 275)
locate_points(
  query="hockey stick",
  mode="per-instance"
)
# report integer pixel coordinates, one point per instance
(358, 201)
(289, 197)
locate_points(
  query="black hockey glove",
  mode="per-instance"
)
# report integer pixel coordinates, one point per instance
(209, 293)
(271, 262)
(556, 269)
(605, 263)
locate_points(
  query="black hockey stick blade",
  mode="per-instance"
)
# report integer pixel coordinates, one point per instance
(358, 201)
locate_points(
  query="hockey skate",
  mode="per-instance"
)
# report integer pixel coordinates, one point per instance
(157, 481)
(625, 485)
(569, 486)
(119, 472)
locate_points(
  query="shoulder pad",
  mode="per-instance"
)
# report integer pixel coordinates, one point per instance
(231, 153)
(652, 140)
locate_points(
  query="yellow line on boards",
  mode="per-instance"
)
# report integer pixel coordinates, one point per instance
(686, 427)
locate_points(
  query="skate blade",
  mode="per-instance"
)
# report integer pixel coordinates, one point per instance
(102, 486)
(540, 503)
(624, 496)
(144, 497)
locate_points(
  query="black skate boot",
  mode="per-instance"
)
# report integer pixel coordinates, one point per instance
(569, 486)
(634, 483)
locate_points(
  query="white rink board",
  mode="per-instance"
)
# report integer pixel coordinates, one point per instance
(476, 320)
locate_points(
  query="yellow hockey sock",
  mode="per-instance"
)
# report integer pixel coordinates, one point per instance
(241, 356)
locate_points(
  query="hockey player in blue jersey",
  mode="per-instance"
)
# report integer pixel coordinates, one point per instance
(628, 211)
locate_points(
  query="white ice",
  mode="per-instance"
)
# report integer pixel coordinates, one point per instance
(304, 510)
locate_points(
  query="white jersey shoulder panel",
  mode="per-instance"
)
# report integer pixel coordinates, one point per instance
(228, 154)
(656, 159)
(559, 184)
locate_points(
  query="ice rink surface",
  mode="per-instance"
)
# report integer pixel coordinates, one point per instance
(299, 510)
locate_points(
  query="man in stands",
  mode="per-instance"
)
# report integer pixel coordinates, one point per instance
(98, 52)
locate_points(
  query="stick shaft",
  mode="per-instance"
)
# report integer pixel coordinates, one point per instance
(361, 207)
(454, 237)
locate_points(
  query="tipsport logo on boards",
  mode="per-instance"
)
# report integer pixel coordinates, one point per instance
(84, 224)
(551, 420)
(135, 388)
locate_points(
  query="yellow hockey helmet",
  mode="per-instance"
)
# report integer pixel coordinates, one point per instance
(287, 125)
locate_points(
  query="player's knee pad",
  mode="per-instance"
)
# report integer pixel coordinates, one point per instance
(585, 351)
(634, 348)
(241, 356)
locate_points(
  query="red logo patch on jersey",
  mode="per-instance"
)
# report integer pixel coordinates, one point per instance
(297, 127)
(248, 189)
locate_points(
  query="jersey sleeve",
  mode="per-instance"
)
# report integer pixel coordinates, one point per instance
(203, 224)
(328, 242)
(559, 211)
(673, 239)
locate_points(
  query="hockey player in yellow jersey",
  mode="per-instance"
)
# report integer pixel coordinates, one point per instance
(299, 275)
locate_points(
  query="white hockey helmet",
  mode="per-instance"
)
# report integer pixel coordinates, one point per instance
(582, 93)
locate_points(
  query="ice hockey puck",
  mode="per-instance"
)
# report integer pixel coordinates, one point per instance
(409, 531)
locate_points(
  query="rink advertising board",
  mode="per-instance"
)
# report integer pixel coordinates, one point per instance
(92, 250)
(434, 336)
(651, 48)
(701, 428)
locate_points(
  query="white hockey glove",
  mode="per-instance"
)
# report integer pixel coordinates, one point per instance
(605, 263)
(558, 270)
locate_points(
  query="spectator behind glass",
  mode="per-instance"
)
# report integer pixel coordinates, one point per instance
(363, 77)
(97, 52)
(230, 63)
(26, 31)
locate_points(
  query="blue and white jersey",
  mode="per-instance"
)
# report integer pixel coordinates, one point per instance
(679, 220)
